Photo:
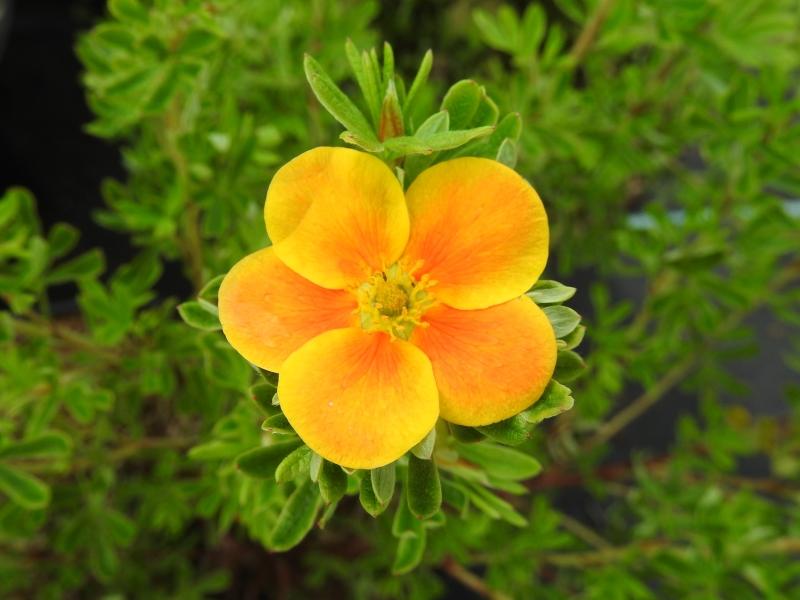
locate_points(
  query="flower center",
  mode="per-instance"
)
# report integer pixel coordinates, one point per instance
(394, 301)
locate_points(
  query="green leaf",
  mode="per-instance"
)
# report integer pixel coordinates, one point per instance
(23, 489)
(466, 434)
(296, 519)
(419, 81)
(383, 481)
(61, 238)
(493, 506)
(500, 461)
(507, 153)
(200, 315)
(574, 339)
(512, 431)
(365, 81)
(277, 423)
(128, 10)
(405, 523)
(210, 290)
(550, 292)
(424, 449)
(165, 91)
(339, 105)
(294, 465)
(569, 366)
(366, 495)
(424, 487)
(390, 124)
(315, 466)
(46, 445)
(462, 101)
(87, 265)
(563, 319)
(332, 482)
(198, 41)
(263, 394)
(434, 142)
(410, 550)
(263, 461)
(555, 400)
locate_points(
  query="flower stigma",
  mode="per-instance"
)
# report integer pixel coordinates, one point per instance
(393, 301)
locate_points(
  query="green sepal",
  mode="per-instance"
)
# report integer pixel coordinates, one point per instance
(569, 366)
(294, 465)
(263, 461)
(546, 291)
(424, 490)
(277, 423)
(366, 495)
(297, 517)
(424, 449)
(262, 394)
(383, 482)
(332, 482)
(465, 434)
(563, 319)
(511, 432)
(315, 466)
(555, 400)
(210, 290)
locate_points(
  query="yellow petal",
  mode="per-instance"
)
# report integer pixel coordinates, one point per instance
(336, 215)
(489, 364)
(268, 311)
(480, 230)
(359, 399)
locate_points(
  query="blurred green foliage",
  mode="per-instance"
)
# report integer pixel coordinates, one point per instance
(664, 139)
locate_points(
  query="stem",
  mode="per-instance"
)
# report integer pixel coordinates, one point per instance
(589, 32)
(470, 580)
(683, 368)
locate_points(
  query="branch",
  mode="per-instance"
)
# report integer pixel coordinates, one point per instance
(470, 580)
(589, 32)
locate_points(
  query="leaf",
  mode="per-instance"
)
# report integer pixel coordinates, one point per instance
(500, 461)
(315, 466)
(434, 142)
(366, 82)
(332, 482)
(277, 423)
(339, 105)
(61, 238)
(294, 465)
(23, 489)
(555, 400)
(87, 265)
(366, 495)
(210, 290)
(262, 394)
(405, 523)
(199, 315)
(563, 319)
(424, 449)
(462, 101)
(512, 431)
(410, 550)
(574, 339)
(466, 434)
(390, 124)
(46, 445)
(419, 80)
(263, 461)
(424, 488)
(493, 506)
(507, 153)
(383, 482)
(198, 41)
(296, 519)
(550, 292)
(569, 366)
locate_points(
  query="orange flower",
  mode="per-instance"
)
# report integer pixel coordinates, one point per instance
(383, 311)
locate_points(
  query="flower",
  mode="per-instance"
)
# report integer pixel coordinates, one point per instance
(383, 311)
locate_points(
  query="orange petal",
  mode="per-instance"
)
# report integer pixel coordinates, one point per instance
(489, 364)
(480, 230)
(358, 399)
(268, 311)
(336, 216)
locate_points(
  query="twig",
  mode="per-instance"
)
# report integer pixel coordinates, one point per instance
(470, 580)
(589, 32)
(587, 534)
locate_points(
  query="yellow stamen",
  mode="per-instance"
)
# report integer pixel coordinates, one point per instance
(393, 301)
